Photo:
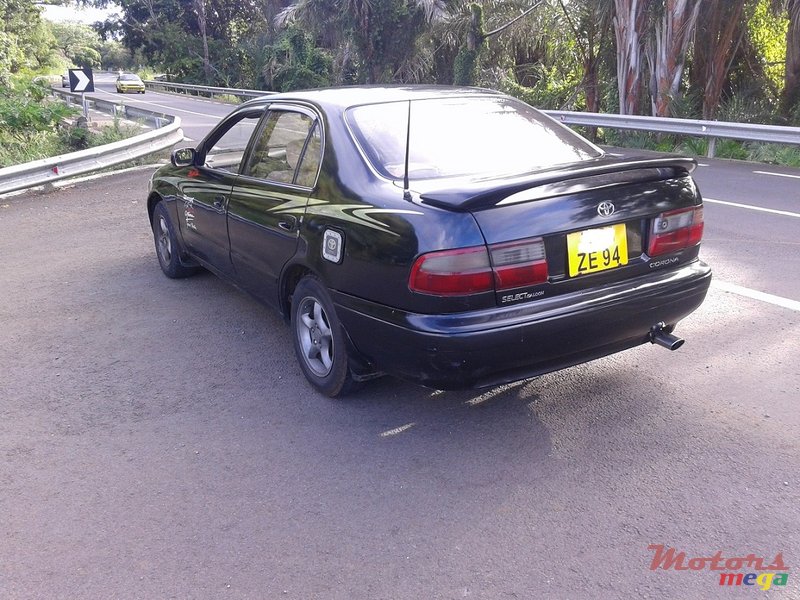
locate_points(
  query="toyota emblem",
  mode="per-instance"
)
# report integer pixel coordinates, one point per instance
(605, 209)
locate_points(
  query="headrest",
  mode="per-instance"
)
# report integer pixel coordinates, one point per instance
(293, 150)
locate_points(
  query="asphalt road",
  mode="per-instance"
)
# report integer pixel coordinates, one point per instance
(159, 440)
(198, 115)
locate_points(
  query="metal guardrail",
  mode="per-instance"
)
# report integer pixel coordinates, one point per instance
(50, 170)
(117, 109)
(708, 129)
(203, 90)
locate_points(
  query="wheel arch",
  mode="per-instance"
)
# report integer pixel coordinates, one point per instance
(362, 368)
(153, 199)
(289, 280)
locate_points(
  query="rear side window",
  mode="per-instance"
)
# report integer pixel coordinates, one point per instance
(481, 137)
(287, 150)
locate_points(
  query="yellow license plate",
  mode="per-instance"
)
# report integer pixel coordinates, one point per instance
(597, 249)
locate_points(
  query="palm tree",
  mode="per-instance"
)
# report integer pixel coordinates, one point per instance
(791, 88)
(590, 21)
(383, 33)
(630, 20)
(720, 29)
(673, 31)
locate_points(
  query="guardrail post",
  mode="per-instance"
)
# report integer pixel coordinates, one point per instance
(712, 147)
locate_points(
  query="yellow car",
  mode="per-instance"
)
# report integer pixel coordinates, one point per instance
(128, 82)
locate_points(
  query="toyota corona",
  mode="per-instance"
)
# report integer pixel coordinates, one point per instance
(454, 237)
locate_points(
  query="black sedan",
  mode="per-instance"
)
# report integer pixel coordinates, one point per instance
(455, 237)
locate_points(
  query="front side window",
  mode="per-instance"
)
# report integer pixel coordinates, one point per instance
(475, 136)
(228, 149)
(287, 151)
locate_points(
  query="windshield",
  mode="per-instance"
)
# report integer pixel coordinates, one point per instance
(129, 77)
(480, 137)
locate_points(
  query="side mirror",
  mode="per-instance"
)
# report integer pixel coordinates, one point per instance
(183, 157)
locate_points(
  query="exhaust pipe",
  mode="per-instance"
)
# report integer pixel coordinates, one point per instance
(661, 337)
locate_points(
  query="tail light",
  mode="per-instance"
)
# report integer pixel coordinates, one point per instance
(452, 272)
(518, 263)
(478, 269)
(675, 230)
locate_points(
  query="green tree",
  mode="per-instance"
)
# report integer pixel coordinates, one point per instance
(180, 38)
(25, 41)
(590, 22)
(721, 27)
(383, 34)
(295, 63)
(78, 43)
(115, 56)
(790, 97)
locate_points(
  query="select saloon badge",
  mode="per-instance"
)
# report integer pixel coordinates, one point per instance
(605, 209)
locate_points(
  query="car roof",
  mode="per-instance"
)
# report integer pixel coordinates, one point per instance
(342, 98)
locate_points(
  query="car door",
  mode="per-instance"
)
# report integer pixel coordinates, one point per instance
(269, 198)
(208, 187)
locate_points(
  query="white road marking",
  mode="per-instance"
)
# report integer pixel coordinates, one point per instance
(773, 211)
(397, 430)
(703, 165)
(171, 108)
(756, 295)
(777, 174)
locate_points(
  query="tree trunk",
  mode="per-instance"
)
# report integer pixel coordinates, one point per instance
(629, 23)
(590, 29)
(200, 7)
(719, 33)
(791, 88)
(667, 52)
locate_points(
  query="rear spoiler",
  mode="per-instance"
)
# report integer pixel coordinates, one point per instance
(567, 179)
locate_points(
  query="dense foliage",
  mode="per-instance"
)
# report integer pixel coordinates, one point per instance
(732, 59)
(28, 122)
(700, 58)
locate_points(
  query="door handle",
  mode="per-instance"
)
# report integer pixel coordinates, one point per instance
(287, 222)
(219, 202)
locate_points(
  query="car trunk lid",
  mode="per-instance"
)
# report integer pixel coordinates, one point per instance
(595, 221)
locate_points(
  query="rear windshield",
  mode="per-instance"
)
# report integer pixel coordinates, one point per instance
(480, 137)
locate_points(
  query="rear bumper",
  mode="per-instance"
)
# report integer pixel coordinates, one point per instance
(489, 347)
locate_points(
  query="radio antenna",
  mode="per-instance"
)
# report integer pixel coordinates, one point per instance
(406, 186)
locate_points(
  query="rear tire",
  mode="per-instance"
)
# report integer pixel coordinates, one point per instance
(319, 341)
(167, 247)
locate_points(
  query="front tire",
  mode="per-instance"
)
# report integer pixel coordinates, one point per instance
(167, 248)
(319, 341)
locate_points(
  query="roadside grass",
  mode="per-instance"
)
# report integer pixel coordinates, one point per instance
(15, 151)
(228, 99)
(66, 138)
